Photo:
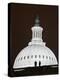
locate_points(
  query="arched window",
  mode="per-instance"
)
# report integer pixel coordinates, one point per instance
(52, 58)
(18, 59)
(21, 58)
(39, 56)
(31, 56)
(46, 57)
(35, 63)
(43, 56)
(24, 57)
(49, 57)
(35, 56)
(27, 57)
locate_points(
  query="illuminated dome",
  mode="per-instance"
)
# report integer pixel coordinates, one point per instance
(36, 53)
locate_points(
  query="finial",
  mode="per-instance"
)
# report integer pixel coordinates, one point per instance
(37, 21)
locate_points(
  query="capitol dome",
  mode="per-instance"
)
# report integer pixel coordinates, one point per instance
(36, 53)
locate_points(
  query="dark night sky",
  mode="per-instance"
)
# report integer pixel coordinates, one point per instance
(21, 19)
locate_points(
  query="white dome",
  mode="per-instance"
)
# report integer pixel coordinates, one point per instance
(31, 54)
(36, 53)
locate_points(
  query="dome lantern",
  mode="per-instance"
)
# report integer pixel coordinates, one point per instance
(37, 33)
(37, 21)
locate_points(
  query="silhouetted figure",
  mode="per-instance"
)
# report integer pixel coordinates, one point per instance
(35, 63)
(39, 63)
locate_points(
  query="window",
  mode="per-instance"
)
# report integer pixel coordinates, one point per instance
(49, 57)
(27, 57)
(18, 59)
(32, 56)
(43, 56)
(35, 56)
(39, 56)
(46, 57)
(52, 58)
(24, 57)
(21, 58)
